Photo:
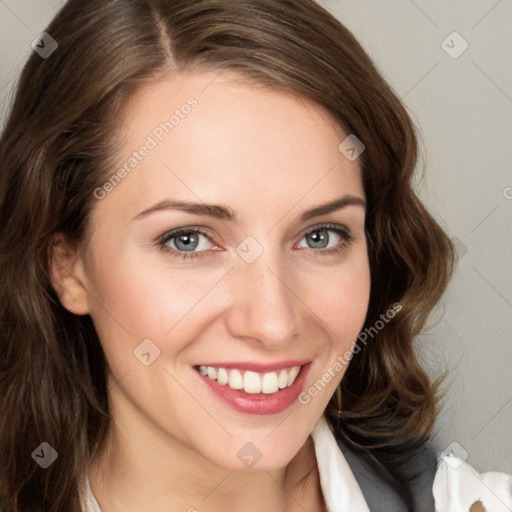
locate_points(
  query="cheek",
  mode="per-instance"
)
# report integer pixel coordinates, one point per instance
(341, 303)
(126, 304)
(339, 296)
(137, 298)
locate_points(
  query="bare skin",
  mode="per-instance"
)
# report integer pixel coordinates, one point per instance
(269, 157)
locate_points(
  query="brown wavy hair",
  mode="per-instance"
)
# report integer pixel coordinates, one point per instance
(58, 144)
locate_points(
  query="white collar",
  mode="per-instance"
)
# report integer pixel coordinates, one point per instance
(91, 505)
(339, 487)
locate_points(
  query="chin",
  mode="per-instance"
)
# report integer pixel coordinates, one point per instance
(259, 454)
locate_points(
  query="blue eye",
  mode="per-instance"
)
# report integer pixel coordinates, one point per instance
(193, 242)
(185, 241)
(320, 237)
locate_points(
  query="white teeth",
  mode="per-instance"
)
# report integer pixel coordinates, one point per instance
(269, 383)
(252, 382)
(235, 380)
(291, 375)
(222, 376)
(283, 378)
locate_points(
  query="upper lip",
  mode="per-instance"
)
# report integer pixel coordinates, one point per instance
(257, 367)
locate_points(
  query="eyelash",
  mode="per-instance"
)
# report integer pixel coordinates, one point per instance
(340, 249)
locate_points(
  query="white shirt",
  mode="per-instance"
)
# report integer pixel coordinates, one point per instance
(457, 486)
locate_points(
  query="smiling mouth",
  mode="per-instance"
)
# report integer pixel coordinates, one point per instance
(251, 382)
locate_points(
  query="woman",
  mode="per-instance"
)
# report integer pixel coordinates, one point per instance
(213, 269)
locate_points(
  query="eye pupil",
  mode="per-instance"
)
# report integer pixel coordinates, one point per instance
(189, 240)
(317, 238)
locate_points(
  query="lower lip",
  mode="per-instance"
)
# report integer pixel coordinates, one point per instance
(259, 403)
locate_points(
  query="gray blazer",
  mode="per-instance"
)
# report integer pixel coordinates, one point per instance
(380, 496)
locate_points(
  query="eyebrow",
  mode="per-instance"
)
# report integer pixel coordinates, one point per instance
(222, 212)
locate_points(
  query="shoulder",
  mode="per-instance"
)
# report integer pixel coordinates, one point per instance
(438, 482)
(420, 470)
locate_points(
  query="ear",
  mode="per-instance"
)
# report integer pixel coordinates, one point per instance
(67, 275)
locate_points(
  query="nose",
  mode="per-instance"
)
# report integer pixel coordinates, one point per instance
(265, 307)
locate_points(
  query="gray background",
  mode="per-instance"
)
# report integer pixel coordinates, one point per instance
(463, 109)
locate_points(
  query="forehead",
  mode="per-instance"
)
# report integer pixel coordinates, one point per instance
(210, 136)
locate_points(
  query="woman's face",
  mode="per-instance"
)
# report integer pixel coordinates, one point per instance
(267, 284)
